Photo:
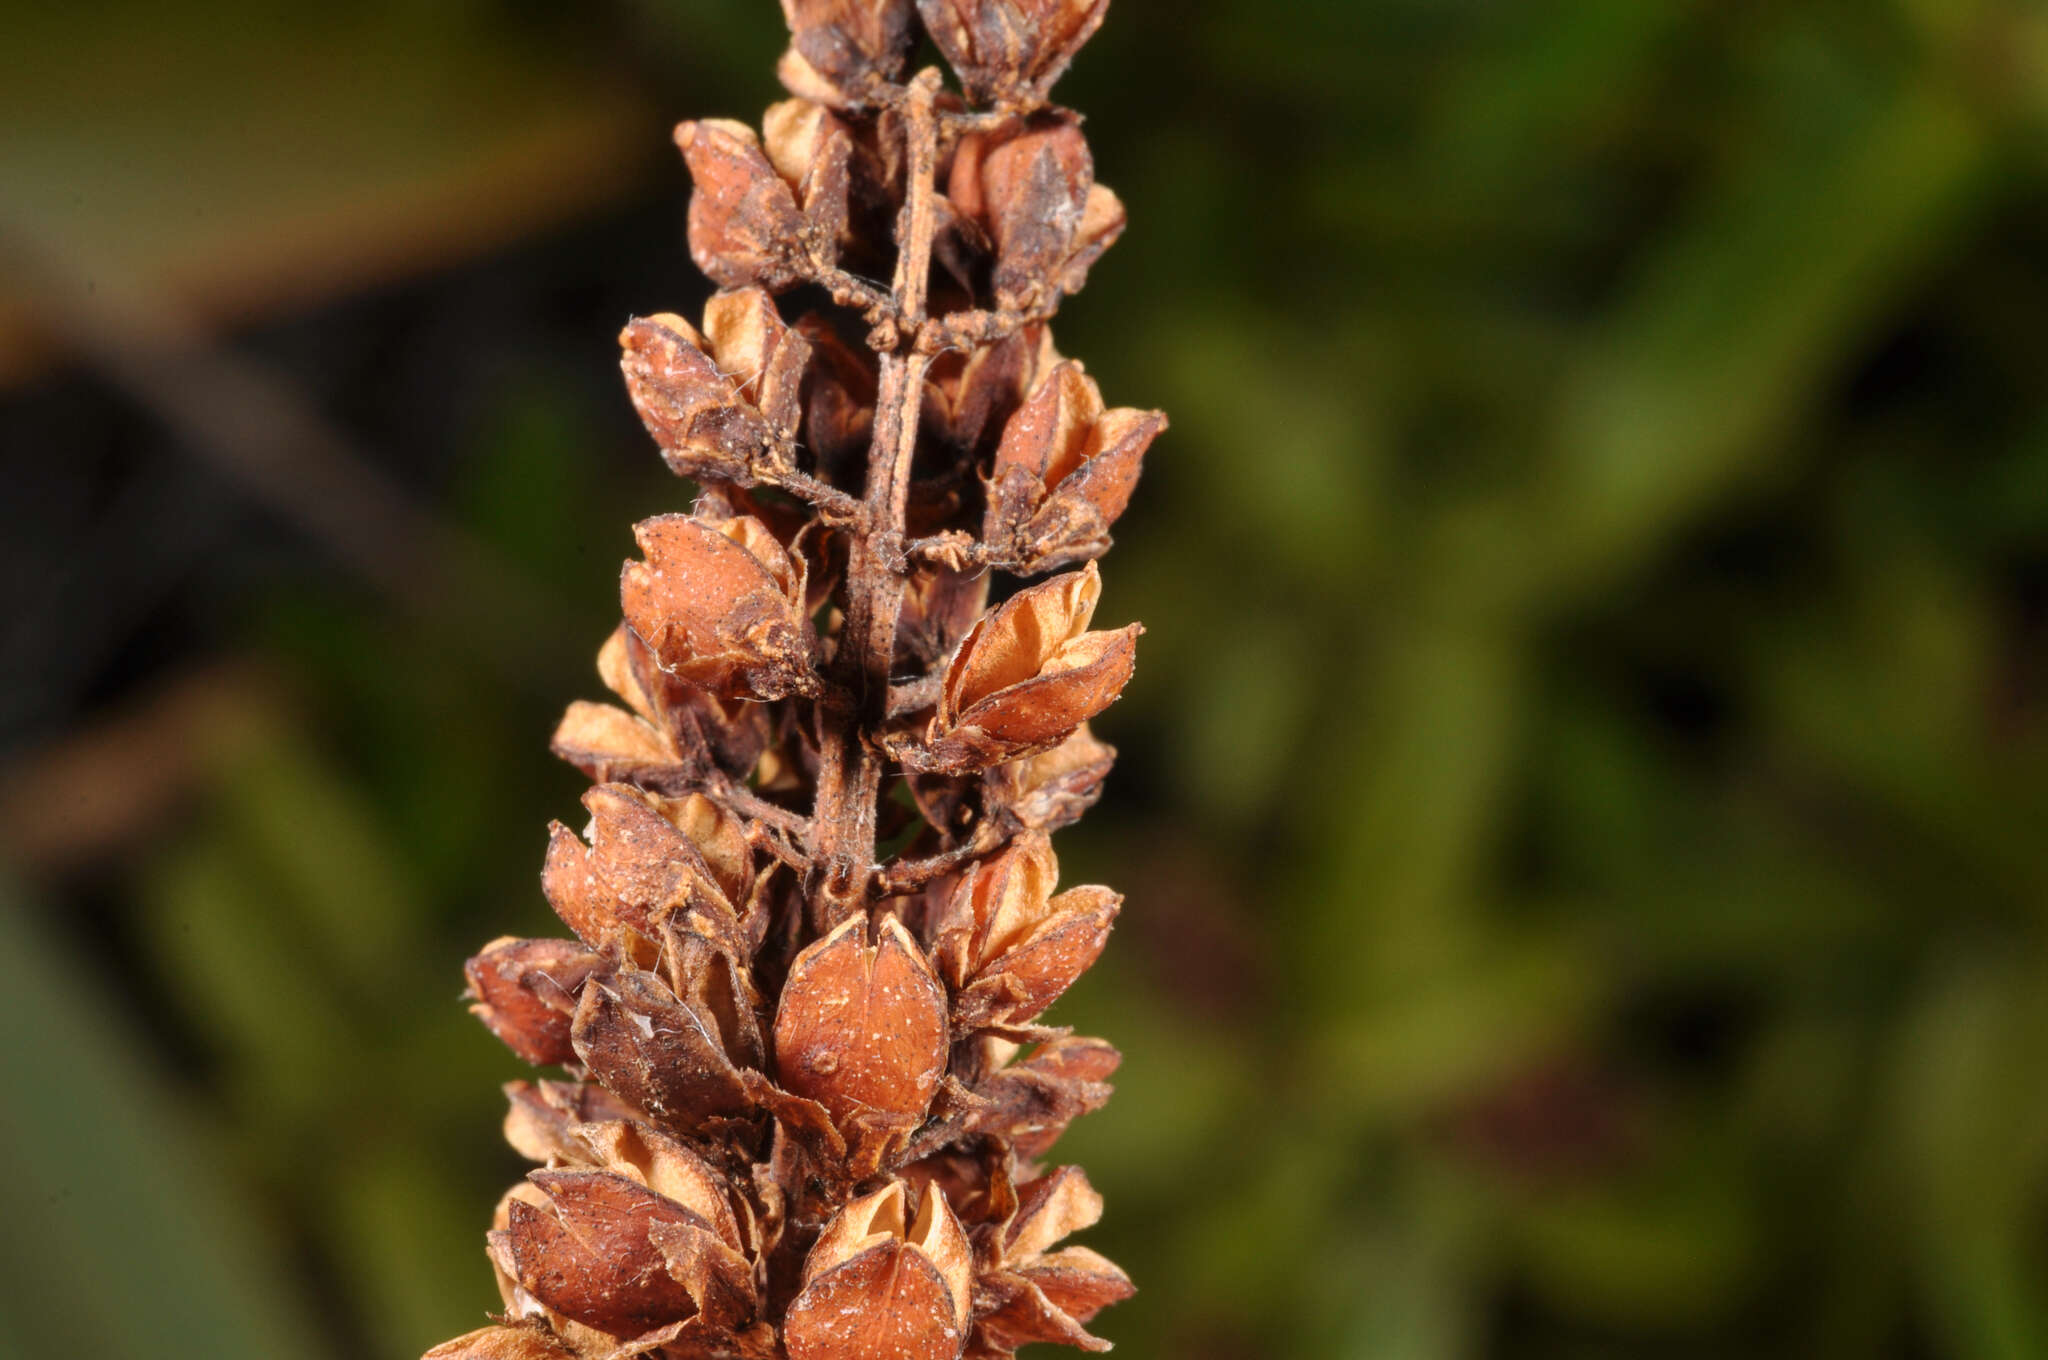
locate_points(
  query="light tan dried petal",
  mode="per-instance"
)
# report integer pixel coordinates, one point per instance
(609, 744)
(1054, 1206)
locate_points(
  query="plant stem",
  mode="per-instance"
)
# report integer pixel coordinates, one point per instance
(850, 774)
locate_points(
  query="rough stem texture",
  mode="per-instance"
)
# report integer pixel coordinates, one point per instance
(816, 909)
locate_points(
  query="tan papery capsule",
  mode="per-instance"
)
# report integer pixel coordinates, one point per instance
(721, 605)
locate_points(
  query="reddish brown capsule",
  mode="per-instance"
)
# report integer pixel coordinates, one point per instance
(1065, 470)
(589, 1254)
(525, 990)
(862, 1027)
(1007, 945)
(721, 604)
(1025, 677)
(745, 225)
(722, 402)
(1031, 187)
(876, 1286)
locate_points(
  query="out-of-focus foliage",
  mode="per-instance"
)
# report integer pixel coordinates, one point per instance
(1583, 800)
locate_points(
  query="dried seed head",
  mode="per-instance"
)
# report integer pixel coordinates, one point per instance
(1031, 1103)
(1010, 51)
(1025, 677)
(1065, 471)
(969, 397)
(721, 604)
(840, 51)
(862, 1028)
(1046, 1295)
(877, 1285)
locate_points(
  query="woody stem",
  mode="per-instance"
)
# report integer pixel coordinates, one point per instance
(850, 767)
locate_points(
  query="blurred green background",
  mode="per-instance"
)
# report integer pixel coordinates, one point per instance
(1582, 803)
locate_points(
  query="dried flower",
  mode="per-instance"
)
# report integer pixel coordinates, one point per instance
(808, 1086)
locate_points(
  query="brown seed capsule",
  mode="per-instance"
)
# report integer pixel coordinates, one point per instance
(1031, 187)
(589, 1255)
(969, 397)
(1052, 789)
(723, 402)
(654, 1052)
(876, 1286)
(721, 604)
(840, 51)
(745, 225)
(1010, 51)
(1025, 677)
(525, 990)
(1065, 470)
(1031, 1102)
(862, 1027)
(1007, 945)
(1047, 1295)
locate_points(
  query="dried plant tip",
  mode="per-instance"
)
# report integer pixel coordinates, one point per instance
(721, 605)
(1010, 51)
(841, 51)
(862, 1027)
